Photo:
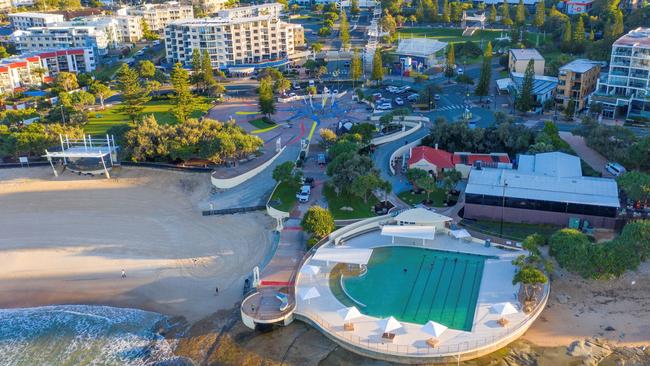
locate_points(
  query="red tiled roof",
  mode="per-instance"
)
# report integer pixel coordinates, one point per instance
(440, 158)
(486, 158)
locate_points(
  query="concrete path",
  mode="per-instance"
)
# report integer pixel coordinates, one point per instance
(589, 155)
(279, 271)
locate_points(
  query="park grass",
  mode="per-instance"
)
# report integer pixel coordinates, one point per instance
(262, 123)
(361, 209)
(513, 231)
(105, 72)
(449, 35)
(284, 196)
(102, 121)
(438, 197)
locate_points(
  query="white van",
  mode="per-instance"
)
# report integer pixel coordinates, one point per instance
(615, 169)
(311, 83)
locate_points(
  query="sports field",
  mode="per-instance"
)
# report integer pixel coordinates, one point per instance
(417, 285)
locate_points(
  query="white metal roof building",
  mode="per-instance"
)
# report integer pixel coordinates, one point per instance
(546, 188)
(421, 50)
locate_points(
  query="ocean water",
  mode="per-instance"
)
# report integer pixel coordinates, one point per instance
(81, 335)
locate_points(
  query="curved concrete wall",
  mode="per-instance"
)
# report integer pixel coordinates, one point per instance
(235, 181)
(401, 151)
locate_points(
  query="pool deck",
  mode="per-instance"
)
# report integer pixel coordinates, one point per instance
(496, 287)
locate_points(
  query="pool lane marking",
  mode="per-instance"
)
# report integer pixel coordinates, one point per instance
(479, 269)
(442, 308)
(408, 300)
(444, 264)
(417, 310)
(460, 291)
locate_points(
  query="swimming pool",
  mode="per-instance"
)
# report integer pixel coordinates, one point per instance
(417, 285)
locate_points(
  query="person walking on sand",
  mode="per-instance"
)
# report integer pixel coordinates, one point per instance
(217, 290)
(123, 274)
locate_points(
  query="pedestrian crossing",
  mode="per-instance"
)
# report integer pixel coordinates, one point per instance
(452, 107)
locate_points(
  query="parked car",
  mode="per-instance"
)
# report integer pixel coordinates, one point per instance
(377, 96)
(399, 101)
(303, 195)
(309, 181)
(321, 159)
(403, 89)
(413, 97)
(460, 71)
(436, 97)
(384, 106)
(615, 169)
(296, 86)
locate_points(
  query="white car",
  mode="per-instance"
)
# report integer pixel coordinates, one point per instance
(614, 169)
(399, 101)
(384, 106)
(303, 195)
(436, 97)
(403, 89)
(413, 97)
(459, 71)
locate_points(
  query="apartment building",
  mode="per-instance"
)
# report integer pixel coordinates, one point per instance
(624, 91)
(210, 6)
(246, 37)
(26, 20)
(518, 59)
(32, 69)
(99, 33)
(5, 5)
(577, 80)
(157, 16)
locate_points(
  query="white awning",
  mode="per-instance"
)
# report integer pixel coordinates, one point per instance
(421, 216)
(343, 255)
(80, 152)
(409, 231)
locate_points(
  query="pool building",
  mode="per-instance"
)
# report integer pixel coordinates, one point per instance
(409, 288)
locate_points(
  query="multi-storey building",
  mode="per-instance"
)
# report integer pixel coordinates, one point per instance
(210, 6)
(29, 20)
(99, 33)
(5, 5)
(518, 59)
(576, 81)
(157, 16)
(32, 69)
(252, 36)
(624, 91)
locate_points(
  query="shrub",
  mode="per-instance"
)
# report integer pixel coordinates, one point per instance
(318, 221)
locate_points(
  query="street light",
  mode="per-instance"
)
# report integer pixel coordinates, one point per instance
(503, 204)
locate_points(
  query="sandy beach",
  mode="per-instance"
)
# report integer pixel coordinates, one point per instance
(66, 240)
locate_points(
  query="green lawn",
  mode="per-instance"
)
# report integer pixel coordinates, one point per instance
(512, 231)
(101, 121)
(284, 196)
(105, 72)
(449, 35)
(438, 197)
(361, 209)
(262, 123)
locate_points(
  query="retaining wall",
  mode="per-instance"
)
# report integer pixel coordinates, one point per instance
(225, 183)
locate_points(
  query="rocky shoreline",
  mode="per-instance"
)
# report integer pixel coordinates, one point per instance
(222, 339)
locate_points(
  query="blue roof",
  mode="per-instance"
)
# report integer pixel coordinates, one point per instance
(541, 84)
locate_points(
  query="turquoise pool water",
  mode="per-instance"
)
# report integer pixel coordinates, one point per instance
(437, 285)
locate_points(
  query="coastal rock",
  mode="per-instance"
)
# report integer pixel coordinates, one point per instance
(562, 298)
(591, 351)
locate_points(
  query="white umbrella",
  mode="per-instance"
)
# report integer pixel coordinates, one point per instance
(389, 324)
(504, 308)
(433, 328)
(311, 270)
(349, 313)
(309, 294)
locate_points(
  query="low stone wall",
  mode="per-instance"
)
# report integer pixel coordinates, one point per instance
(414, 126)
(227, 183)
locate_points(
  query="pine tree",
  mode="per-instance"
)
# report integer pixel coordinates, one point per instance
(525, 100)
(433, 10)
(377, 67)
(492, 17)
(421, 11)
(520, 16)
(212, 86)
(197, 68)
(570, 109)
(446, 11)
(579, 36)
(592, 36)
(134, 96)
(451, 62)
(345, 30)
(540, 15)
(356, 67)
(505, 14)
(183, 97)
(483, 87)
(267, 102)
(567, 36)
